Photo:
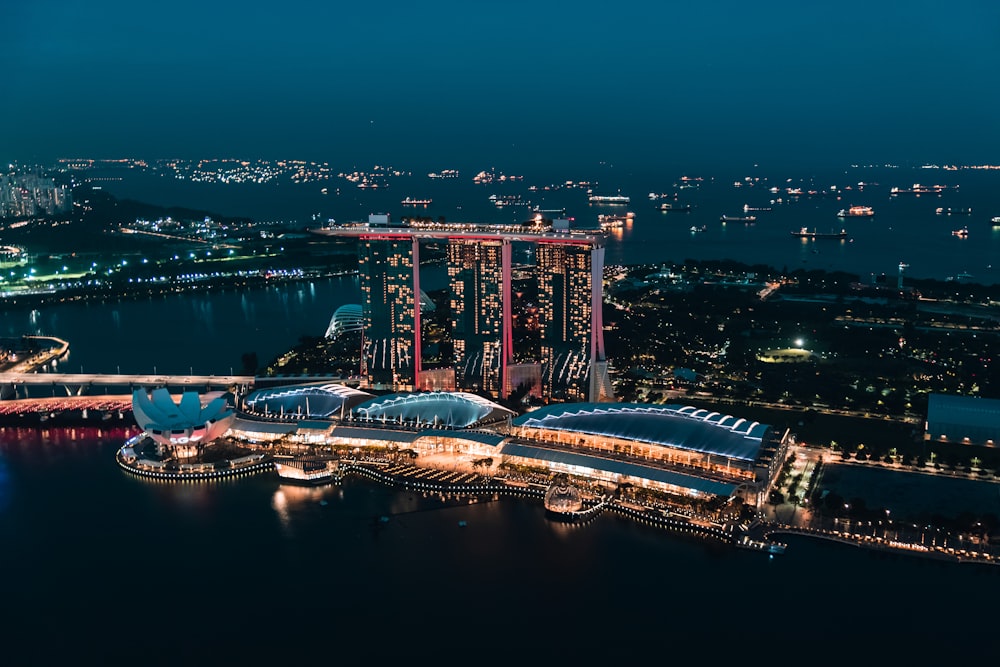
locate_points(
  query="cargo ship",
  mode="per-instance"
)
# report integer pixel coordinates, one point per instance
(953, 211)
(409, 201)
(609, 199)
(856, 212)
(804, 233)
(962, 233)
(675, 208)
(747, 219)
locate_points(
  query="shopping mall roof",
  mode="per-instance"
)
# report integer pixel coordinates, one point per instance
(313, 400)
(682, 427)
(439, 409)
(620, 468)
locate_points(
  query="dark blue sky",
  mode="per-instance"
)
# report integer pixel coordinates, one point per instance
(443, 83)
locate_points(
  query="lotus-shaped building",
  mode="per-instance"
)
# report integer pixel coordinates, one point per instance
(181, 427)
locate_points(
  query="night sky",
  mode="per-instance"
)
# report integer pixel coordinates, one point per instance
(436, 83)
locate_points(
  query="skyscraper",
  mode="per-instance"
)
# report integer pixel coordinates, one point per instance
(479, 281)
(569, 272)
(390, 294)
(570, 289)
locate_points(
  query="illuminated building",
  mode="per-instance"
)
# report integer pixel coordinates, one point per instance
(569, 271)
(570, 284)
(181, 428)
(480, 313)
(675, 449)
(390, 285)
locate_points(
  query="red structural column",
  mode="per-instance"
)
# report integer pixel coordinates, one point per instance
(417, 352)
(507, 334)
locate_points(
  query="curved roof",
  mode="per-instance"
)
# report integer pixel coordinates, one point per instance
(320, 399)
(347, 318)
(169, 421)
(439, 408)
(350, 316)
(683, 427)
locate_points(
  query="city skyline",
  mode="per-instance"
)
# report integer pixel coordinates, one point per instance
(644, 85)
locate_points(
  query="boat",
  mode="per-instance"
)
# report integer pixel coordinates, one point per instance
(996, 220)
(409, 201)
(676, 208)
(614, 221)
(953, 211)
(961, 233)
(609, 199)
(307, 469)
(918, 189)
(508, 200)
(695, 228)
(804, 233)
(748, 219)
(747, 208)
(856, 212)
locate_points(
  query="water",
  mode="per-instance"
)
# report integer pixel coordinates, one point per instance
(905, 228)
(98, 563)
(98, 566)
(206, 333)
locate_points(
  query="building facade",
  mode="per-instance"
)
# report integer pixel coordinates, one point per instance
(390, 302)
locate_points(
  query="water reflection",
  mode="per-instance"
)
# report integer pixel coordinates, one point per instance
(291, 499)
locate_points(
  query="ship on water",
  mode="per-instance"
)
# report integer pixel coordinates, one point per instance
(746, 219)
(675, 208)
(609, 199)
(856, 212)
(804, 233)
(409, 201)
(953, 211)
(747, 208)
(614, 221)
(996, 220)
(962, 233)
(917, 189)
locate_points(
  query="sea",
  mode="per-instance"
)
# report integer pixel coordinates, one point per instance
(99, 567)
(906, 233)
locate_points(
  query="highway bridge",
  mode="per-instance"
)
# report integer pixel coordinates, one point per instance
(19, 385)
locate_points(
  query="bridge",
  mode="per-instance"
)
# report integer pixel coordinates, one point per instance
(79, 384)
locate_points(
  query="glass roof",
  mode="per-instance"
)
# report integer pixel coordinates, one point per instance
(439, 408)
(320, 400)
(683, 427)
